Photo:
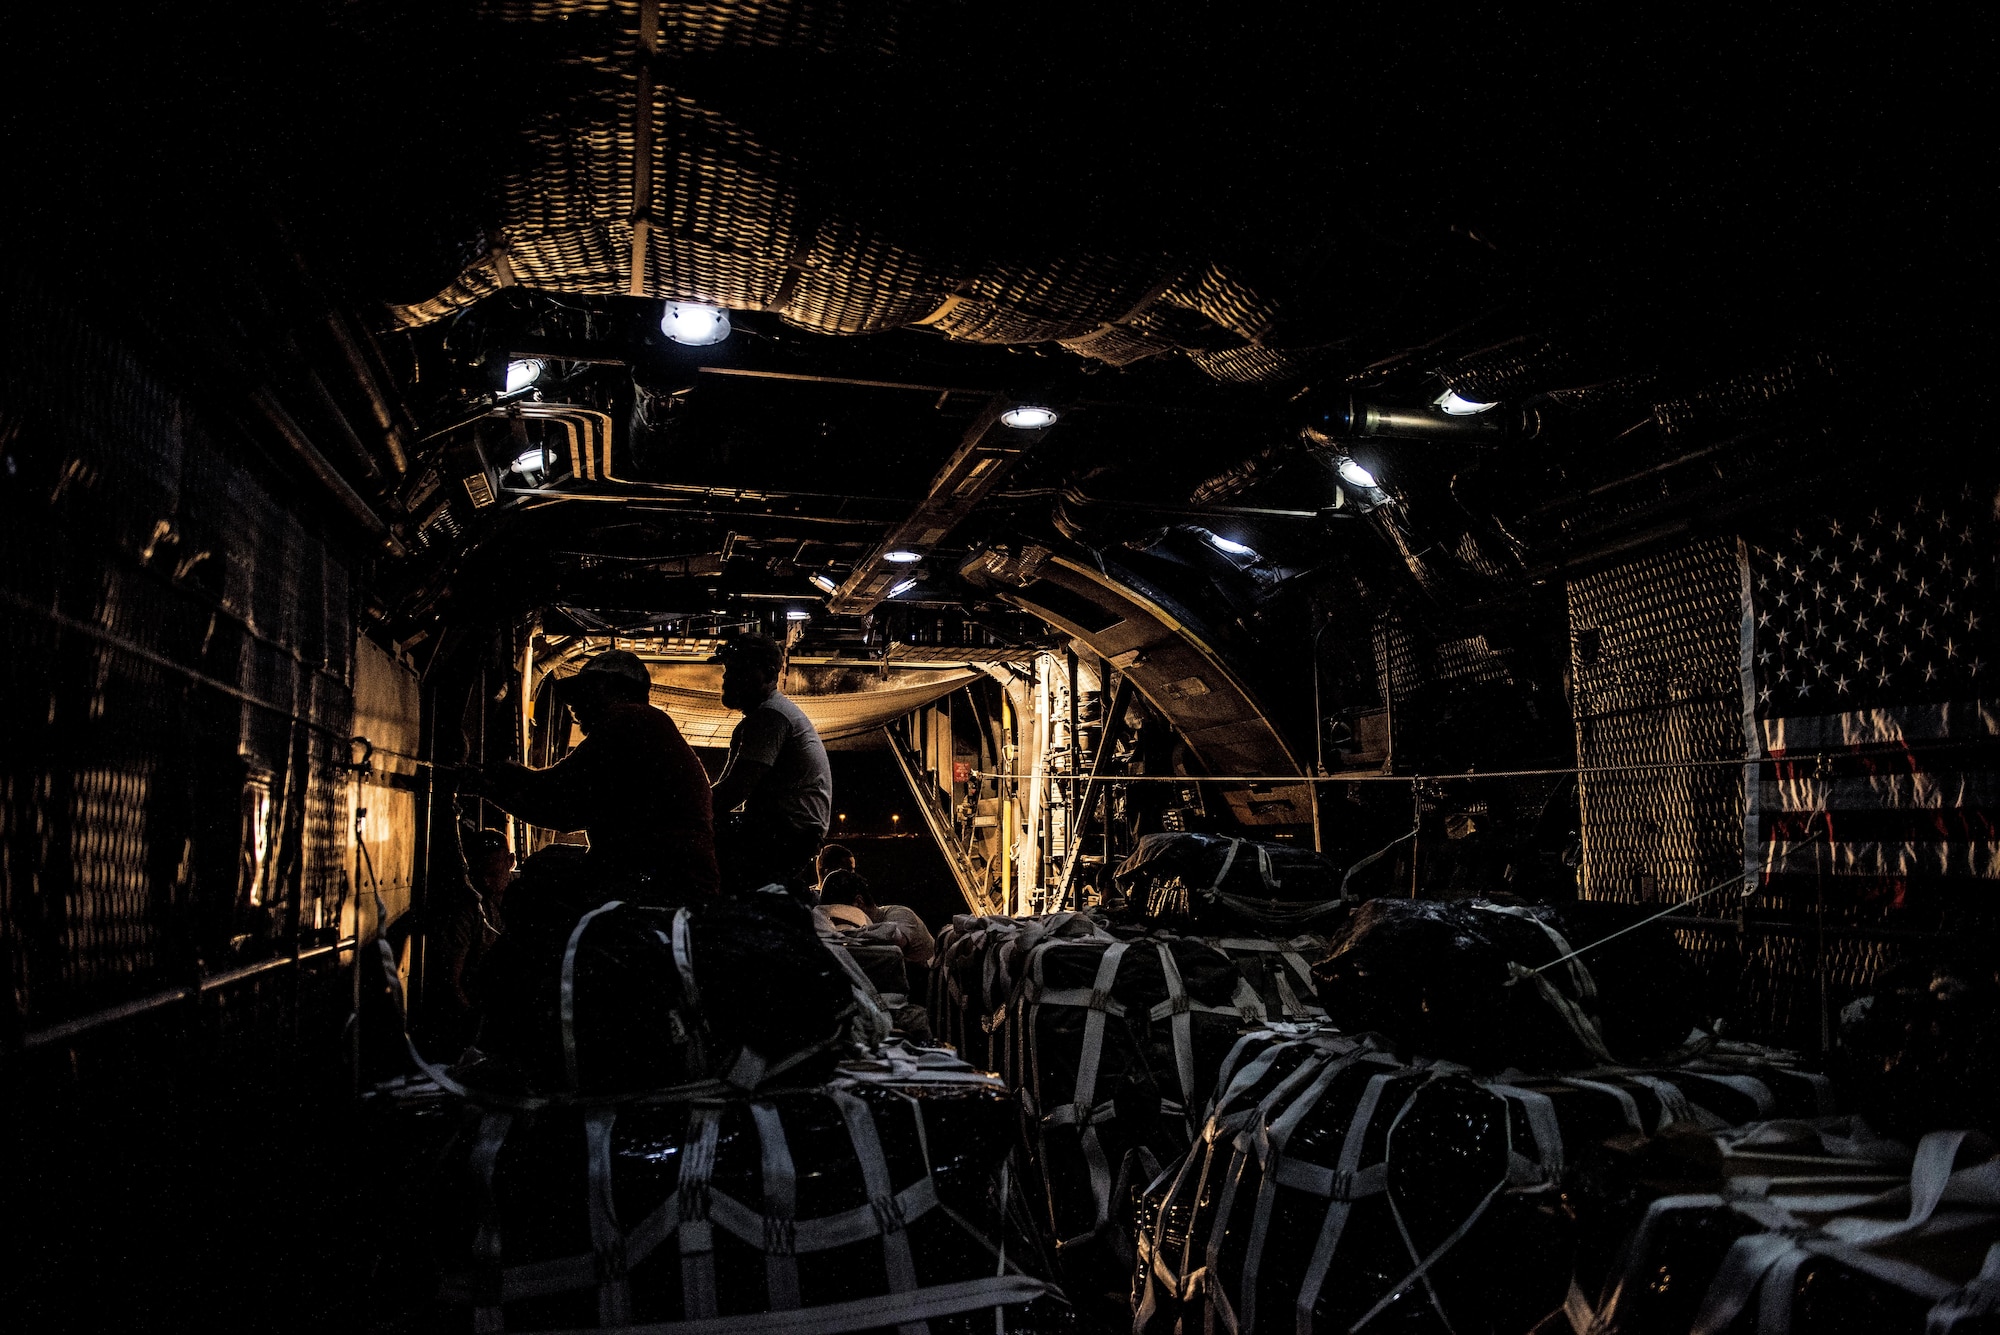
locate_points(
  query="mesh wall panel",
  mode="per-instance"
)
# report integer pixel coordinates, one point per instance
(1654, 663)
(1655, 656)
(173, 796)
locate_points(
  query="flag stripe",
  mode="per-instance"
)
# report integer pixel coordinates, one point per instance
(1923, 791)
(1955, 719)
(1883, 859)
(1884, 824)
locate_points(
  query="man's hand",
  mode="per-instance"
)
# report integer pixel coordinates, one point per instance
(490, 781)
(737, 783)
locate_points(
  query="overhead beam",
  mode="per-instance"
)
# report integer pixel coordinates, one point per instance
(986, 454)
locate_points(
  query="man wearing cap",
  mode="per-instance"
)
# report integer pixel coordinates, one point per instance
(634, 785)
(777, 774)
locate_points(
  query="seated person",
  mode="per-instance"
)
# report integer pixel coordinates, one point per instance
(847, 904)
(832, 858)
(634, 785)
(777, 774)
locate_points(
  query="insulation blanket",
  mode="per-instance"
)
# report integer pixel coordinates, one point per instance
(881, 1199)
(1337, 1186)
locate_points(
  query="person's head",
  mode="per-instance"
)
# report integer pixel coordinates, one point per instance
(490, 862)
(831, 859)
(751, 666)
(847, 887)
(614, 677)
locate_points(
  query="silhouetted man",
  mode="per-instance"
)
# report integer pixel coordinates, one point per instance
(777, 774)
(634, 785)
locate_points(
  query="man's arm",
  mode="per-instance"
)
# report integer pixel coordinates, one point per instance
(556, 798)
(758, 738)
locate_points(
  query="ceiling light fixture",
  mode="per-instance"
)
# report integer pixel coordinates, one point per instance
(902, 557)
(1456, 406)
(530, 461)
(1359, 476)
(1029, 417)
(826, 582)
(694, 324)
(797, 615)
(1223, 544)
(902, 588)
(521, 374)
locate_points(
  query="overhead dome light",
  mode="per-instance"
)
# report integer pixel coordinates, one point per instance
(826, 582)
(902, 588)
(1355, 473)
(694, 324)
(521, 374)
(1456, 406)
(903, 558)
(1029, 417)
(530, 461)
(1223, 544)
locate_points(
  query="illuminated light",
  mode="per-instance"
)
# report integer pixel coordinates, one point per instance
(796, 615)
(1028, 417)
(522, 374)
(826, 582)
(903, 588)
(1233, 548)
(694, 324)
(1455, 406)
(903, 558)
(529, 461)
(1355, 473)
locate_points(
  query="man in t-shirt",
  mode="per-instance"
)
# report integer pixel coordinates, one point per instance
(777, 774)
(634, 784)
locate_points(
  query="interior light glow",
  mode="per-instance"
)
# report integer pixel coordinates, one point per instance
(903, 558)
(1223, 544)
(529, 461)
(1029, 417)
(1456, 406)
(694, 324)
(522, 374)
(826, 582)
(902, 588)
(797, 615)
(1355, 473)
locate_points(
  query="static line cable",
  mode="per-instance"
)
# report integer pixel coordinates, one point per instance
(1715, 889)
(1655, 766)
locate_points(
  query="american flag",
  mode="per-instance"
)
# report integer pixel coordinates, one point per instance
(1869, 666)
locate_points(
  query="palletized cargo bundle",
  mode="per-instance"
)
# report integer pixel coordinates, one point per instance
(1113, 1036)
(663, 1138)
(1813, 1228)
(1338, 1186)
(1207, 884)
(871, 1201)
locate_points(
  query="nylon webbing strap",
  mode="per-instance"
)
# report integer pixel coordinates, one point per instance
(896, 1260)
(1540, 1111)
(487, 1315)
(1176, 1006)
(1268, 1139)
(1082, 1110)
(1334, 1223)
(697, 1234)
(607, 1243)
(781, 1208)
(569, 988)
(900, 1310)
(1423, 1271)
